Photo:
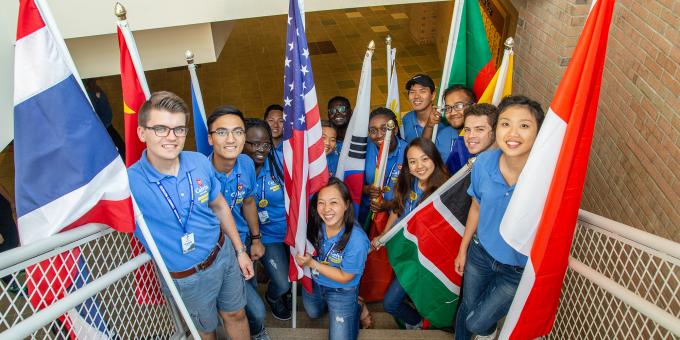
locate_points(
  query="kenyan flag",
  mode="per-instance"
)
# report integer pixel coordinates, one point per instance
(468, 57)
(423, 246)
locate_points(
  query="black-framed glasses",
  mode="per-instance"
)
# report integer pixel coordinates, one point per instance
(338, 109)
(260, 146)
(223, 132)
(458, 106)
(164, 131)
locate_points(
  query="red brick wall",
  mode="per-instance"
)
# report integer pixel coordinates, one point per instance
(634, 171)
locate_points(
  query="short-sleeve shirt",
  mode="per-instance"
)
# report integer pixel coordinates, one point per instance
(415, 196)
(272, 216)
(392, 170)
(237, 186)
(332, 162)
(162, 222)
(445, 134)
(493, 194)
(458, 157)
(351, 260)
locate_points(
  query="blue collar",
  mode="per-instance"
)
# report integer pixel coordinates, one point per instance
(153, 175)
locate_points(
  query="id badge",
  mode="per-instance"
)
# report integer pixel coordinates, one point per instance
(263, 215)
(188, 244)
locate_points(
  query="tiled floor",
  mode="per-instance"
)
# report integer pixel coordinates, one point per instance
(249, 71)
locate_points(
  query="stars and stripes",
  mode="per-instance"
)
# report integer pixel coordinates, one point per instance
(305, 170)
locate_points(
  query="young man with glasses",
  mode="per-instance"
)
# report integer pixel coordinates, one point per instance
(236, 174)
(339, 114)
(179, 194)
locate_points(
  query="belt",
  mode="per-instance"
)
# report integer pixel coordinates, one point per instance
(203, 265)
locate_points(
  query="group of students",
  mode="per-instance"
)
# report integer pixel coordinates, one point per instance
(191, 203)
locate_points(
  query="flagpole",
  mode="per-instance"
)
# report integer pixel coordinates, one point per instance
(121, 13)
(388, 45)
(141, 224)
(194, 82)
(454, 31)
(503, 75)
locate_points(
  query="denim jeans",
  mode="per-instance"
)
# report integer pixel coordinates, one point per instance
(488, 289)
(343, 309)
(275, 262)
(394, 303)
(255, 310)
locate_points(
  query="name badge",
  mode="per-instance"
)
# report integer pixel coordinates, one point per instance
(188, 244)
(263, 216)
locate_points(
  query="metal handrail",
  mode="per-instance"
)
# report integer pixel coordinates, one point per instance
(640, 236)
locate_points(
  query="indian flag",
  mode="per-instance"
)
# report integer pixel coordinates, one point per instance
(421, 245)
(542, 213)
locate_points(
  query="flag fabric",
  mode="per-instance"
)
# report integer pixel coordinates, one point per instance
(135, 93)
(421, 245)
(393, 89)
(500, 85)
(352, 160)
(135, 90)
(304, 164)
(552, 181)
(200, 121)
(68, 172)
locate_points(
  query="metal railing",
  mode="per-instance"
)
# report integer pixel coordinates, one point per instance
(82, 284)
(622, 283)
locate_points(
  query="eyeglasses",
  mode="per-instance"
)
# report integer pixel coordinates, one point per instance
(374, 131)
(222, 132)
(458, 106)
(260, 146)
(338, 109)
(164, 131)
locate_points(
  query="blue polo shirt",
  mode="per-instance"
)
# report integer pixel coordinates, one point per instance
(394, 165)
(332, 161)
(163, 225)
(237, 186)
(272, 218)
(351, 259)
(459, 155)
(493, 194)
(415, 196)
(445, 134)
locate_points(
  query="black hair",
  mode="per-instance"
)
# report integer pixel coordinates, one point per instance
(462, 88)
(314, 229)
(383, 111)
(405, 179)
(339, 99)
(273, 164)
(223, 111)
(271, 108)
(533, 106)
(327, 123)
(483, 109)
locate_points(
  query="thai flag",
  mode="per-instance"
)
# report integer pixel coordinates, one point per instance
(304, 164)
(541, 216)
(68, 172)
(352, 160)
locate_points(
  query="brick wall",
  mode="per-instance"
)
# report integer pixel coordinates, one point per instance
(634, 170)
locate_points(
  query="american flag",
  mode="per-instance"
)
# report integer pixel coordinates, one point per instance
(303, 151)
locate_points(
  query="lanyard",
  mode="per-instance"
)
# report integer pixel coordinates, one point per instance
(262, 191)
(389, 174)
(172, 205)
(415, 128)
(329, 252)
(412, 202)
(233, 203)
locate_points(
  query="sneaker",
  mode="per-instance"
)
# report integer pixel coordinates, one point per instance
(279, 309)
(491, 336)
(419, 326)
(262, 336)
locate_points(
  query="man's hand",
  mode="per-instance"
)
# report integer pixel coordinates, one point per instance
(434, 118)
(256, 250)
(246, 265)
(459, 263)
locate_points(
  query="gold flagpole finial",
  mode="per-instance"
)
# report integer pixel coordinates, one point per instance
(120, 11)
(509, 43)
(390, 125)
(388, 40)
(189, 56)
(371, 46)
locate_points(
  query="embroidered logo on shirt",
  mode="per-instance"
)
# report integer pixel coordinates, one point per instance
(202, 191)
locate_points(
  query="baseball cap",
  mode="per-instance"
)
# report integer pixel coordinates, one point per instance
(421, 79)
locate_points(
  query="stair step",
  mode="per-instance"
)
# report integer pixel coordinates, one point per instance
(364, 334)
(381, 320)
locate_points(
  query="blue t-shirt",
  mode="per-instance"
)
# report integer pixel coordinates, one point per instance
(445, 134)
(163, 224)
(394, 165)
(272, 216)
(237, 186)
(493, 194)
(414, 198)
(459, 155)
(351, 259)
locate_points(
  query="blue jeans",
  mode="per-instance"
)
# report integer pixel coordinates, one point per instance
(394, 303)
(255, 310)
(343, 309)
(275, 262)
(488, 289)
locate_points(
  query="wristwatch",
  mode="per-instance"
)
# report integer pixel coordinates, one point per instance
(241, 251)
